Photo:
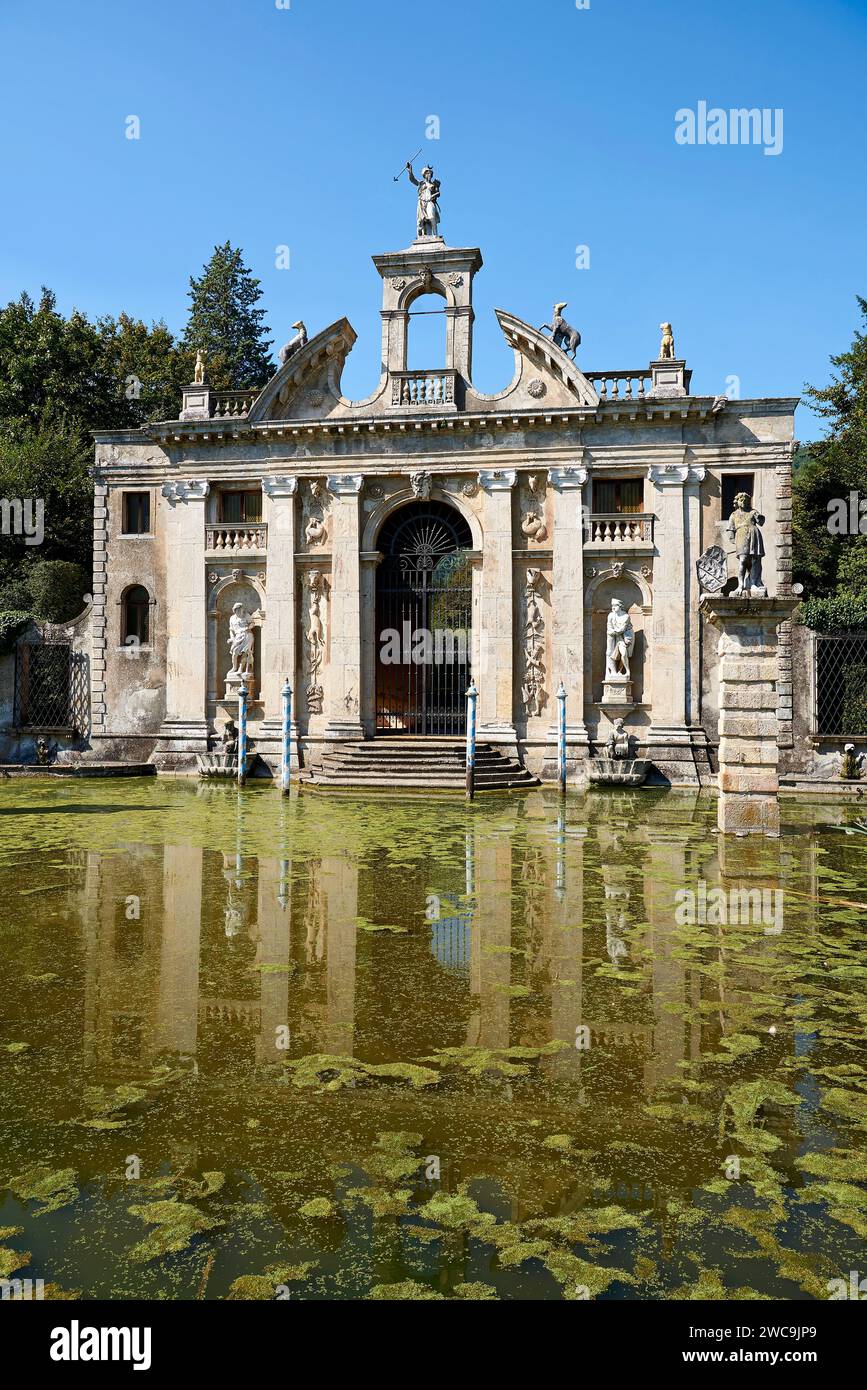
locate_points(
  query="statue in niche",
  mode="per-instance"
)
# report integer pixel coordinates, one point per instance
(744, 529)
(428, 212)
(315, 636)
(620, 641)
(240, 641)
(666, 347)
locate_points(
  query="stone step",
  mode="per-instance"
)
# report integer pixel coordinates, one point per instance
(404, 763)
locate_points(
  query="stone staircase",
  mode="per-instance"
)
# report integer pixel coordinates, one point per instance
(426, 764)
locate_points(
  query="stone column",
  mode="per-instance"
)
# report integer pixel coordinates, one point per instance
(344, 660)
(668, 739)
(748, 723)
(280, 628)
(567, 646)
(185, 729)
(496, 638)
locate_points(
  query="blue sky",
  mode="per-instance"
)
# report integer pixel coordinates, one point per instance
(270, 126)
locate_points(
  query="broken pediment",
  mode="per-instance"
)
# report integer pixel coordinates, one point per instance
(308, 383)
(544, 374)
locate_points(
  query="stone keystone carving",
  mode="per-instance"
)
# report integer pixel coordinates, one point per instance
(421, 483)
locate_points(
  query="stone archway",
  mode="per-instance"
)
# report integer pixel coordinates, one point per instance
(423, 630)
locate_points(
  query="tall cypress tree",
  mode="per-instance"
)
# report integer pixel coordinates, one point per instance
(226, 324)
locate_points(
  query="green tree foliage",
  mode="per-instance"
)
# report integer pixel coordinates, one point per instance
(56, 590)
(147, 369)
(225, 322)
(49, 463)
(833, 568)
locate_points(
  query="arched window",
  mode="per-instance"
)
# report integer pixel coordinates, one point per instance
(135, 614)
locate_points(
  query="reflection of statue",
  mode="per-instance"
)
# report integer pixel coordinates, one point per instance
(200, 367)
(428, 213)
(744, 529)
(241, 641)
(666, 349)
(620, 641)
(563, 334)
(294, 344)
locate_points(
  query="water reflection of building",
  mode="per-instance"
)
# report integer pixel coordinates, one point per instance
(554, 920)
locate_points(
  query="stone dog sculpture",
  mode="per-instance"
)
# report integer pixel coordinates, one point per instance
(294, 344)
(562, 333)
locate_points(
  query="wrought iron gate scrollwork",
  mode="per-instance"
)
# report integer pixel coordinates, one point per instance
(423, 621)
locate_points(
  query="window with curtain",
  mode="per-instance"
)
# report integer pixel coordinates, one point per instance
(236, 508)
(618, 495)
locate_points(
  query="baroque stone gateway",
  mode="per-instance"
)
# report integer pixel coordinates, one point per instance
(559, 530)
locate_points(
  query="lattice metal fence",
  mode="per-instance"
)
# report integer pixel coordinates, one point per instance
(51, 687)
(841, 685)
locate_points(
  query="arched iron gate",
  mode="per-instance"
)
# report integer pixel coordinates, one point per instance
(424, 594)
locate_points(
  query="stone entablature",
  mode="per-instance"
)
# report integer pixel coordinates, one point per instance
(524, 471)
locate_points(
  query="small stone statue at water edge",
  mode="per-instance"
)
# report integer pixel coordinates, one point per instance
(240, 641)
(618, 742)
(851, 764)
(744, 529)
(229, 739)
(620, 641)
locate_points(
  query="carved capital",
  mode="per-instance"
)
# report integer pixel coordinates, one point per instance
(497, 479)
(280, 486)
(668, 474)
(565, 479)
(345, 484)
(191, 490)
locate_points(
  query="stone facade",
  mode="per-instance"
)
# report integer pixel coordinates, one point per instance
(570, 487)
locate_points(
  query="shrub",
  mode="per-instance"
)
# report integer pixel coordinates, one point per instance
(56, 590)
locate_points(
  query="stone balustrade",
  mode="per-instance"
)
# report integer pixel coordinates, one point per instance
(625, 386)
(423, 388)
(229, 405)
(236, 540)
(618, 529)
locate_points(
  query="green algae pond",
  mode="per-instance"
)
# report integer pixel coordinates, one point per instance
(332, 1047)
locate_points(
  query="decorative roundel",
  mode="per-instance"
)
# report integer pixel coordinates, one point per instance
(537, 388)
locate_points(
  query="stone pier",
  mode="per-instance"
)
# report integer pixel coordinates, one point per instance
(748, 720)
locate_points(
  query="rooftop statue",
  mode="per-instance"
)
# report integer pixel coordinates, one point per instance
(294, 344)
(428, 213)
(199, 379)
(562, 333)
(666, 347)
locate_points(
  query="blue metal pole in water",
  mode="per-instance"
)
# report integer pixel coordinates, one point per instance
(472, 697)
(287, 738)
(242, 734)
(561, 737)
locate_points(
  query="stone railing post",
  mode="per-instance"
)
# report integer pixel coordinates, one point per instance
(749, 726)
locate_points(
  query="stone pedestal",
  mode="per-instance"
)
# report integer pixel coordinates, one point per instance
(617, 693)
(748, 724)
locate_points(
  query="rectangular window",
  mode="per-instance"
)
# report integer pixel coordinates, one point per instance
(136, 513)
(618, 495)
(732, 484)
(236, 508)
